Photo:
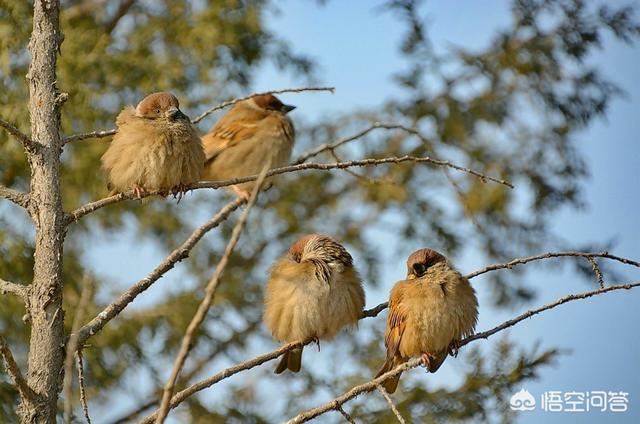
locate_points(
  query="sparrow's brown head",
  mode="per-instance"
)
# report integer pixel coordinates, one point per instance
(271, 103)
(323, 252)
(160, 105)
(421, 260)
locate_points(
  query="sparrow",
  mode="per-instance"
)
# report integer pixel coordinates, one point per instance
(255, 133)
(155, 148)
(312, 293)
(429, 313)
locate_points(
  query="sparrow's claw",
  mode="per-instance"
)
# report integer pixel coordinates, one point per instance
(139, 191)
(425, 358)
(243, 194)
(179, 191)
(453, 348)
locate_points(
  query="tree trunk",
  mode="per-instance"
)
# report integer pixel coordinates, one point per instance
(46, 346)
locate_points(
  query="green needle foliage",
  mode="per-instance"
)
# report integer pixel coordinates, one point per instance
(510, 110)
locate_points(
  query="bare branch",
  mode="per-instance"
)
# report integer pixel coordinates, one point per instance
(234, 101)
(108, 133)
(391, 404)
(122, 10)
(596, 270)
(152, 398)
(203, 308)
(376, 125)
(373, 384)
(14, 371)
(93, 206)
(13, 288)
(181, 396)
(177, 255)
(548, 255)
(83, 394)
(345, 415)
(373, 312)
(15, 196)
(85, 136)
(26, 141)
(85, 297)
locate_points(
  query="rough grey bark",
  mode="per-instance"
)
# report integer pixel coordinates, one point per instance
(46, 346)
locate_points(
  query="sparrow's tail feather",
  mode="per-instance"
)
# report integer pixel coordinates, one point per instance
(291, 360)
(436, 361)
(390, 384)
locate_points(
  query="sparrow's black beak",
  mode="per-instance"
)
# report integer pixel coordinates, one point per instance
(176, 114)
(287, 108)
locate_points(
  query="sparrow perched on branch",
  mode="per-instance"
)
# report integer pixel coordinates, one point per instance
(254, 133)
(429, 313)
(155, 148)
(313, 292)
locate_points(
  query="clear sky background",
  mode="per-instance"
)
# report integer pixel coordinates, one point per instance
(356, 47)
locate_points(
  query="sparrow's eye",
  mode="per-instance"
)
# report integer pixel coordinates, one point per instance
(296, 257)
(157, 111)
(419, 269)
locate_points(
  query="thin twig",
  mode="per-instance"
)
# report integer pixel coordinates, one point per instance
(190, 335)
(391, 404)
(26, 141)
(177, 255)
(14, 371)
(373, 384)
(376, 125)
(13, 288)
(15, 196)
(85, 297)
(345, 414)
(548, 255)
(108, 133)
(182, 395)
(85, 136)
(93, 206)
(83, 394)
(234, 101)
(152, 398)
(596, 270)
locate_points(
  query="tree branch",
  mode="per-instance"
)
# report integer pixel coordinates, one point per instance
(14, 371)
(122, 10)
(13, 288)
(548, 255)
(85, 297)
(152, 398)
(234, 101)
(107, 133)
(181, 396)
(331, 146)
(203, 308)
(26, 141)
(17, 197)
(373, 384)
(177, 255)
(93, 206)
(391, 404)
(83, 394)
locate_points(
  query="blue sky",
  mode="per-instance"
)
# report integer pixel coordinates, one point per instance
(356, 47)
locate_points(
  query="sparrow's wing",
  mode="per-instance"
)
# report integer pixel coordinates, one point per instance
(226, 134)
(396, 321)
